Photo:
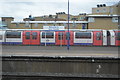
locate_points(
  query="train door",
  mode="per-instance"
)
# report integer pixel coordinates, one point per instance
(108, 38)
(104, 37)
(112, 37)
(97, 38)
(31, 38)
(70, 37)
(117, 38)
(60, 38)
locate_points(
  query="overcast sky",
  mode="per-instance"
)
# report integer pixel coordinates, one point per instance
(20, 9)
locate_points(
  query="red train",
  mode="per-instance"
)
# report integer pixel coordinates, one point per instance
(60, 37)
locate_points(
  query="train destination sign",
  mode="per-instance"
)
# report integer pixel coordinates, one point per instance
(53, 27)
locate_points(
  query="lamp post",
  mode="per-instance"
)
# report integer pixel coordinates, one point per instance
(68, 40)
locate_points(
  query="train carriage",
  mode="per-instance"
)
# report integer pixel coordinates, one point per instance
(60, 37)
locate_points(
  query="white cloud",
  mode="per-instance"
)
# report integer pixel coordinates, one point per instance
(22, 8)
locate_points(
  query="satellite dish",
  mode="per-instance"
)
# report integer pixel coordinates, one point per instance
(31, 18)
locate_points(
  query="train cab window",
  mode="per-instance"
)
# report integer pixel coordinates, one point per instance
(60, 36)
(98, 36)
(34, 35)
(1, 37)
(118, 35)
(67, 36)
(84, 35)
(47, 35)
(27, 35)
(13, 35)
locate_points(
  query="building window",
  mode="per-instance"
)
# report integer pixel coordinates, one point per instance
(115, 19)
(17, 24)
(104, 10)
(111, 10)
(91, 19)
(45, 24)
(82, 18)
(98, 11)
(36, 24)
(27, 24)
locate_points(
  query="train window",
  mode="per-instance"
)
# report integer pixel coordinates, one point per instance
(84, 35)
(67, 36)
(27, 35)
(108, 33)
(48, 35)
(60, 36)
(0, 37)
(98, 36)
(118, 35)
(34, 35)
(13, 35)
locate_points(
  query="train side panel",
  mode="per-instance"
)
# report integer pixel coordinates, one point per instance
(112, 37)
(104, 37)
(13, 37)
(47, 37)
(83, 38)
(2, 37)
(69, 36)
(31, 37)
(117, 38)
(60, 38)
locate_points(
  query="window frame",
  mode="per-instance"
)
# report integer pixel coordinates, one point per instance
(8, 35)
(48, 36)
(98, 36)
(118, 36)
(27, 36)
(59, 35)
(34, 37)
(82, 35)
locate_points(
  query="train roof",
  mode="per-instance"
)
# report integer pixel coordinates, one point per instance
(51, 30)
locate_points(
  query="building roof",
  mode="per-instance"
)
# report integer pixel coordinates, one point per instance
(103, 15)
(50, 22)
(8, 17)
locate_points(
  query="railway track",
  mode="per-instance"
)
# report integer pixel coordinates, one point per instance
(59, 68)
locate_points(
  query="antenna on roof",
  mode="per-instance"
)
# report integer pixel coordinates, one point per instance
(101, 5)
(104, 5)
(98, 5)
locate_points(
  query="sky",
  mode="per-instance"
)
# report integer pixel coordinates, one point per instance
(20, 9)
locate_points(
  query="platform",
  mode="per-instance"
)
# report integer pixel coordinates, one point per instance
(75, 51)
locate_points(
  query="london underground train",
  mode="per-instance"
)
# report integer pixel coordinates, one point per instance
(92, 37)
